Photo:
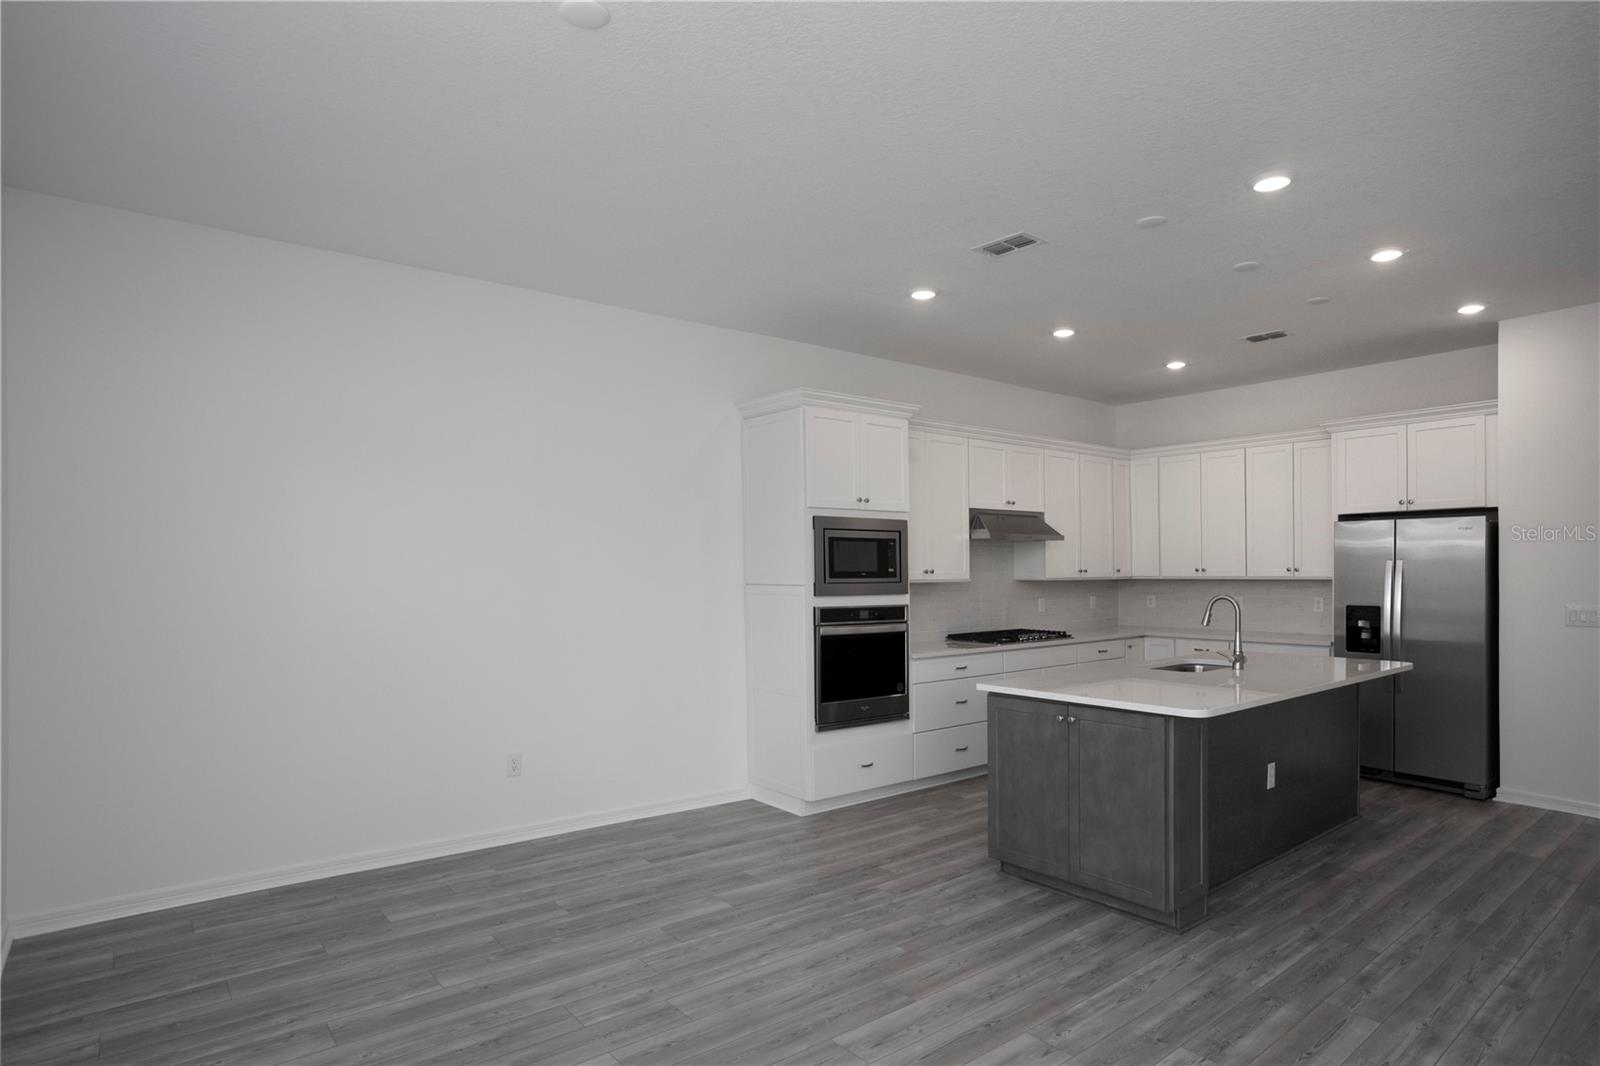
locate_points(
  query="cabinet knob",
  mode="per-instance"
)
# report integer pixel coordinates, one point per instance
(1061, 718)
(867, 499)
(1202, 569)
(1297, 569)
(963, 747)
(1071, 720)
(1402, 503)
(1288, 569)
(1410, 502)
(858, 499)
(865, 765)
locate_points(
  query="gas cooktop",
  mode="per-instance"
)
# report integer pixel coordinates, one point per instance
(1007, 636)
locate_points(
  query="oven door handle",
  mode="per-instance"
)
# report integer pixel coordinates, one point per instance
(851, 630)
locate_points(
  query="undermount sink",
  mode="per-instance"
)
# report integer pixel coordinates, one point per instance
(1194, 666)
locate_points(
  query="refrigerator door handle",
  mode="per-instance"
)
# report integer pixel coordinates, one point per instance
(1398, 632)
(1384, 649)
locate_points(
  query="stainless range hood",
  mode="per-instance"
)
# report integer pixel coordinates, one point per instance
(1010, 525)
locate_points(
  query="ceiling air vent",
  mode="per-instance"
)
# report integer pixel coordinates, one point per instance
(1006, 245)
(1269, 335)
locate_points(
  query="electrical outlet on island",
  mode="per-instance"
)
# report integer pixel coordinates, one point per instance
(514, 764)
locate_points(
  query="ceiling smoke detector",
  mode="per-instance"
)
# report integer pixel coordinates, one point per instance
(1006, 245)
(1269, 335)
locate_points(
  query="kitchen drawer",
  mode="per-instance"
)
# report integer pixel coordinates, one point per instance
(941, 704)
(1094, 653)
(1251, 647)
(949, 667)
(849, 766)
(1203, 647)
(957, 748)
(1040, 658)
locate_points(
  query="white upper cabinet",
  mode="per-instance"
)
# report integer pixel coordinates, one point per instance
(1222, 513)
(1052, 559)
(1144, 518)
(1180, 515)
(940, 544)
(1203, 514)
(1491, 460)
(1369, 469)
(856, 461)
(1445, 464)
(1269, 528)
(1289, 503)
(1313, 508)
(1096, 511)
(1005, 477)
(1121, 520)
(1413, 466)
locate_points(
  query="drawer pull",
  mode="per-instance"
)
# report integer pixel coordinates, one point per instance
(1102, 651)
(960, 703)
(961, 668)
(963, 747)
(865, 765)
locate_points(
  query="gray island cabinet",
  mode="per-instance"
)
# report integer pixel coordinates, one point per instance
(1190, 781)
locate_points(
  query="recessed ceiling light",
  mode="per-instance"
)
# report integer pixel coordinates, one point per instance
(1063, 333)
(585, 14)
(1271, 182)
(1470, 309)
(1150, 221)
(1248, 264)
(923, 294)
(1387, 255)
(1176, 364)
(1315, 300)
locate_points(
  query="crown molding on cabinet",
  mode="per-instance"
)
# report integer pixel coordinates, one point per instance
(792, 398)
(1222, 443)
(1421, 414)
(1027, 440)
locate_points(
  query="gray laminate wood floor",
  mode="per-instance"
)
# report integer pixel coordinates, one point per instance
(1433, 929)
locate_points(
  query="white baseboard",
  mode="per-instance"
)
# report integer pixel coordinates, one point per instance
(26, 925)
(1549, 803)
(795, 805)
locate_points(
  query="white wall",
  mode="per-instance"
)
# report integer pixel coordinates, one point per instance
(301, 545)
(1300, 403)
(1549, 477)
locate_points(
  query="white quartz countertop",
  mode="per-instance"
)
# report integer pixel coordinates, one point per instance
(1224, 634)
(1267, 677)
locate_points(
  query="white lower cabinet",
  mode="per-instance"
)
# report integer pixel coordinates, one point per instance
(941, 704)
(1203, 647)
(942, 751)
(1099, 653)
(855, 765)
(1159, 648)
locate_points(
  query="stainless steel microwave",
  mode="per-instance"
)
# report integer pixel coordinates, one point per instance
(859, 556)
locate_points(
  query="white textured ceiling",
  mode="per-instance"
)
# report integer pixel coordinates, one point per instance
(795, 169)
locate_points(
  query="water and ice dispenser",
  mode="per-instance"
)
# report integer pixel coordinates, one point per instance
(1361, 633)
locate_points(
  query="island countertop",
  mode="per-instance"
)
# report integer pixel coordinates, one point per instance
(1267, 677)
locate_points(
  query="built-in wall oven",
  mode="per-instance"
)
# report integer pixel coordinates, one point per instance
(862, 666)
(859, 556)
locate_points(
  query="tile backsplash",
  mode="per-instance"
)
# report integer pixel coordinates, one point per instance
(994, 599)
(1273, 606)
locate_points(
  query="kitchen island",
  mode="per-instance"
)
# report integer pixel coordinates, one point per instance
(1145, 785)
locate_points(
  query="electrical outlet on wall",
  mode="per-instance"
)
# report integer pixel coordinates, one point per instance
(1040, 602)
(1316, 604)
(1091, 601)
(1272, 775)
(514, 764)
(1149, 601)
(1583, 617)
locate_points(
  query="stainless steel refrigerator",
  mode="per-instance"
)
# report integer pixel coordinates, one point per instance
(1422, 588)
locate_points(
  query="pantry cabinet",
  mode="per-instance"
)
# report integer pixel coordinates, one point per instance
(1288, 504)
(856, 461)
(1005, 477)
(939, 543)
(1420, 465)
